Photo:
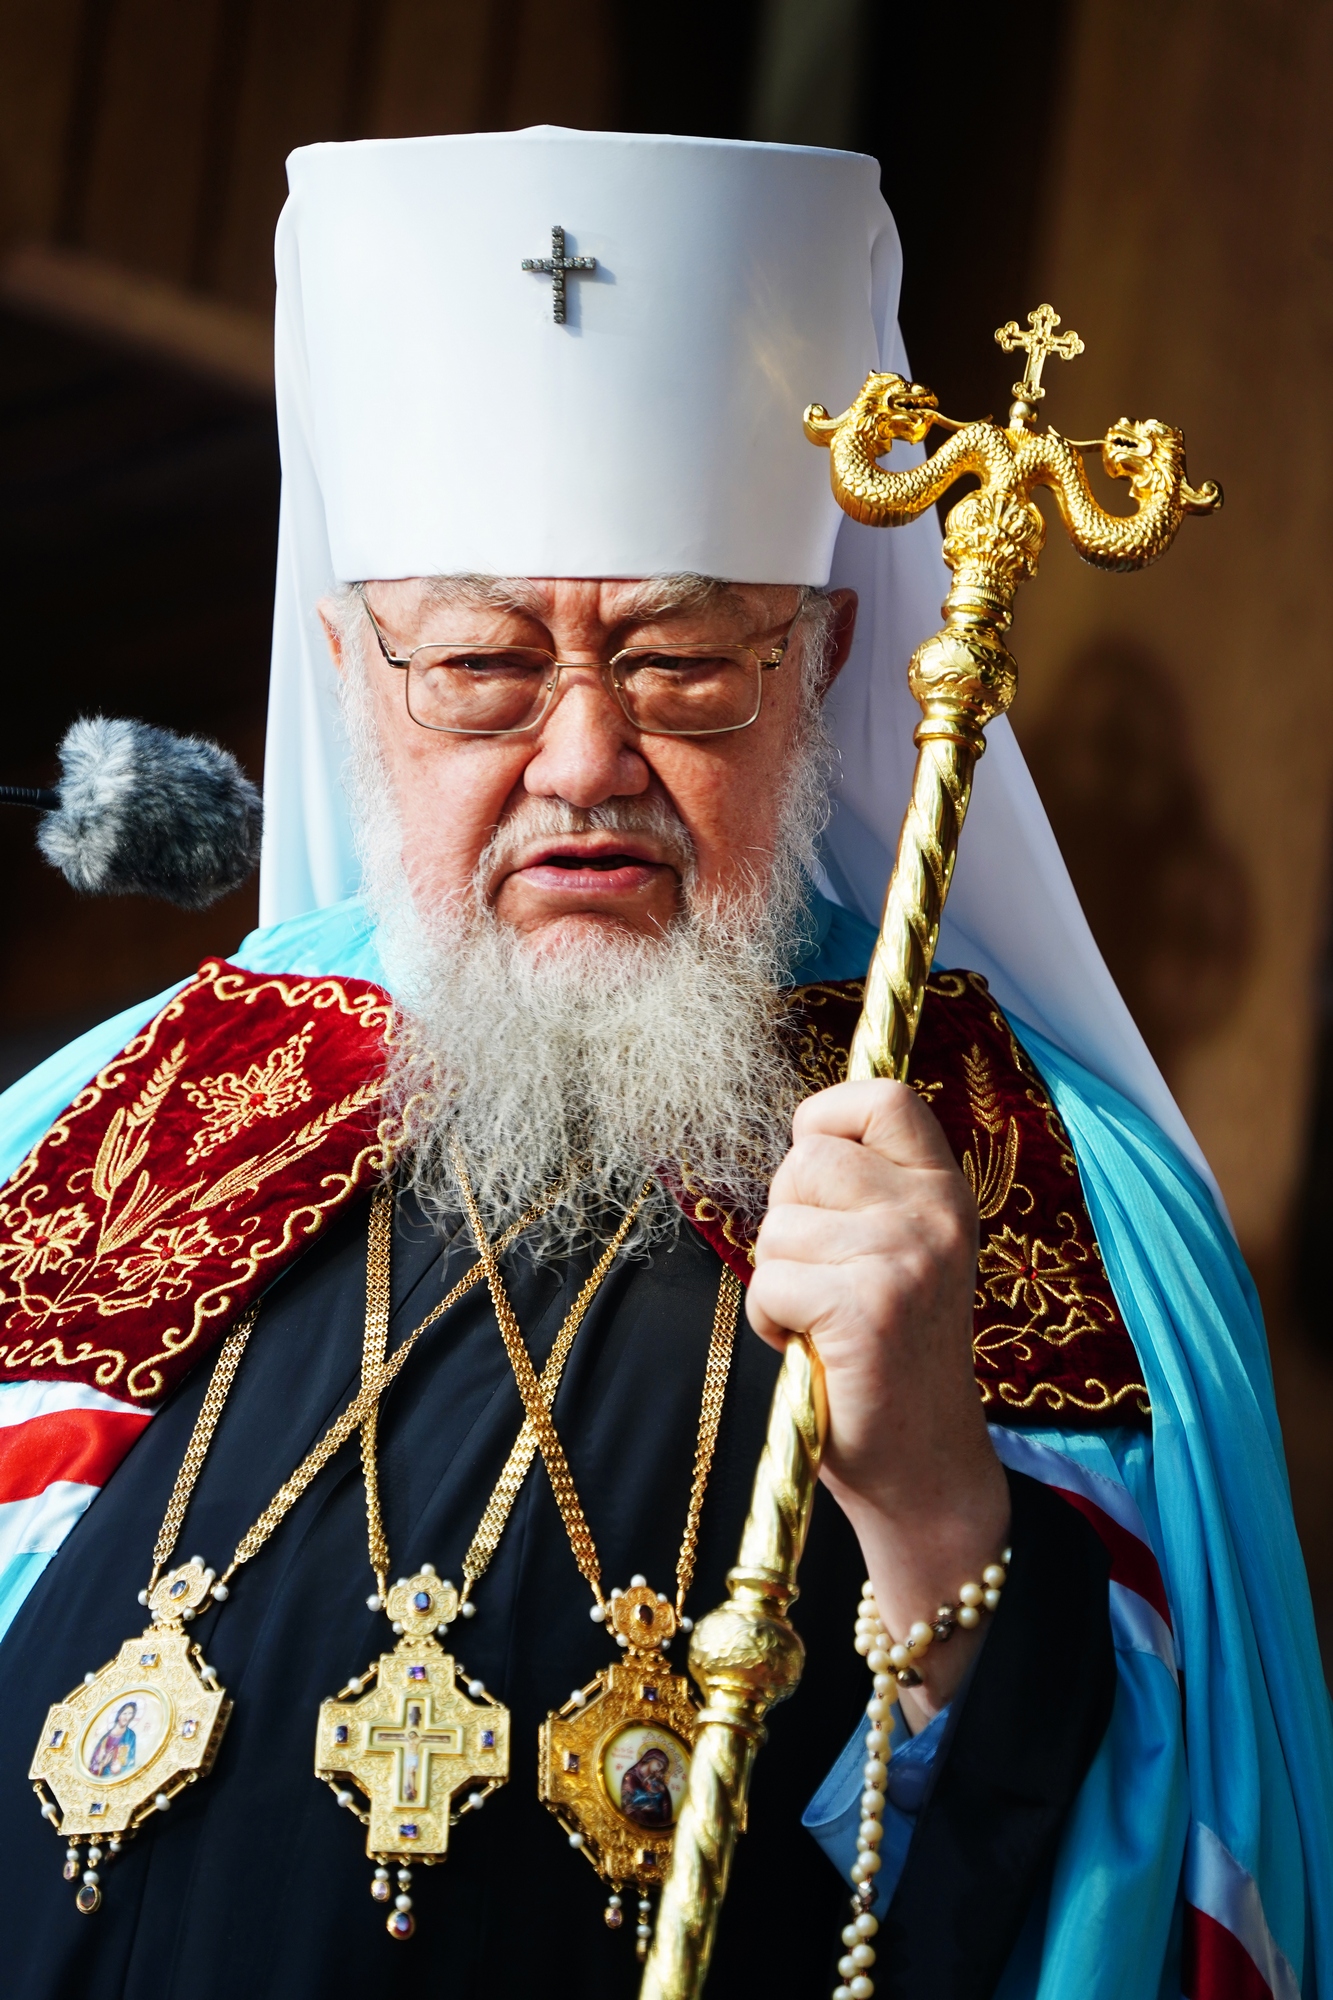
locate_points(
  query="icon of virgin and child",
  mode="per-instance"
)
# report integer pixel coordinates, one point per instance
(645, 1794)
(115, 1752)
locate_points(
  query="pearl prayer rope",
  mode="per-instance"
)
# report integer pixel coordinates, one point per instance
(889, 1661)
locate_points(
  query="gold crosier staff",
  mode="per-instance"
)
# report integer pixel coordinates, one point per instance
(745, 1656)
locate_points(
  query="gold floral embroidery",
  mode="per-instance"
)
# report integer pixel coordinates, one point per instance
(153, 1237)
(991, 1178)
(230, 1103)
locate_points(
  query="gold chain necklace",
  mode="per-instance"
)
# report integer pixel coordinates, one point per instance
(121, 1746)
(414, 1731)
(614, 1760)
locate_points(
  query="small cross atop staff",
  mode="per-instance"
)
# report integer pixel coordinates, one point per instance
(555, 267)
(1042, 342)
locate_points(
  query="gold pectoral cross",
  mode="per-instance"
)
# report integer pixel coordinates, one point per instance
(413, 1733)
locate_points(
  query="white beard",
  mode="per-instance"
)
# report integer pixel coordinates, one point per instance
(607, 1055)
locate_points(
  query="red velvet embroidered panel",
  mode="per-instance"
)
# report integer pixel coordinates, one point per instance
(198, 1164)
(186, 1176)
(1048, 1340)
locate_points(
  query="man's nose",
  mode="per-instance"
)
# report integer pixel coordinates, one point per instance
(587, 748)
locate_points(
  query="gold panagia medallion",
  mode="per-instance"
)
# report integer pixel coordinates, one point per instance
(411, 1734)
(614, 1761)
(122, 1745)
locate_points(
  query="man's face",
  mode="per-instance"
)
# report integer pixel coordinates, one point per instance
(454, 791)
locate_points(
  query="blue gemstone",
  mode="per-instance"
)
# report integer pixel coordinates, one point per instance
(179, 1587)
(340, 1733)
(416, 1673)
(488, 1739)
(421, 1602)
(650, 1694)
(408, 1831)
(97, 1806)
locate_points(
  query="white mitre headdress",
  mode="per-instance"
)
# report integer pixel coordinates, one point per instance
(434, 418)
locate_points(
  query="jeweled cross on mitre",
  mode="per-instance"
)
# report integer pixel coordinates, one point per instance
(1041, 343)
(556, 266)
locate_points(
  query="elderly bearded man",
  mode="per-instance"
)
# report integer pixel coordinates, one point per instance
(583, 756)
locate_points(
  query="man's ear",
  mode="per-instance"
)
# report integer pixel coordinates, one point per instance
(328, 618)
(844, 604)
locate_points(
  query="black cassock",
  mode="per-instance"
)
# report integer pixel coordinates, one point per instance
(255, 1884)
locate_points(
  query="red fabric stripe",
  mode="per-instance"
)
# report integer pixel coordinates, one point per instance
(1132, 1561)
(82, 1445)
(1215, 1964)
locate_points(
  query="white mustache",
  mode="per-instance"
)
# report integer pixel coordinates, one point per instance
(535, 819)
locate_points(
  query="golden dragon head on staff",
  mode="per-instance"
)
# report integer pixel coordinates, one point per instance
(1010, 461)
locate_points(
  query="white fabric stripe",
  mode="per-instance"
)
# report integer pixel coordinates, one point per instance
(20, 1401)
(1052, 1468)
(1216, 1883)
(1138, 1627)
(29, 1527)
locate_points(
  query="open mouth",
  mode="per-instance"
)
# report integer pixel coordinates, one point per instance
(597, 870)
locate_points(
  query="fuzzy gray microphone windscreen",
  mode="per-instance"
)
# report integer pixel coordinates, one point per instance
(143, 812)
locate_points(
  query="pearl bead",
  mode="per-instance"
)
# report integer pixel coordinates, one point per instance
(860, 1988)
(874, 1771)
(993, 1576)
(402, 1902)
(863, 1642)
(857, 1869)
(850, 1936)
(343, 1798)
(576, 1840)
(969, 1616)
(1007, 1557)
(88, 1679)
(870, 1864)
(374, 1602)
(842, 1993)
(638, 1582)
(143, 1597)
(468, 1610)
(920, 1634)
(90, 1877)
(863, 1956)
(381, 1874)
(579, 1698)
(876, 1742)
(991, 1599)
(899, 1656)
(879, 1661)
(872, 1829)
(872, 1801)
(883, 1683)
(847, 1965)
(868, 1589)
(397, 1628)
(219, 1593)
(428, 1569)
(971, 1593)
(476, 1689)
(867, 1924)
(598, 1614)
(48, 1810)
(687, 1624)
(876, 1709)
(162, 1802)
(476, 1800)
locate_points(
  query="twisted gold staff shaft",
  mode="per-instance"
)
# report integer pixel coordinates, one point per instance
(746, 1656)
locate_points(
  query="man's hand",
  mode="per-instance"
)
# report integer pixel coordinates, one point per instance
(870, 1247)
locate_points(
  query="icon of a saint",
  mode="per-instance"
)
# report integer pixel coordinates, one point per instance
(645, 1796)
(114, 1753)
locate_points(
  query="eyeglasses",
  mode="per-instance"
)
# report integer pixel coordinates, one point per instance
(473, 690)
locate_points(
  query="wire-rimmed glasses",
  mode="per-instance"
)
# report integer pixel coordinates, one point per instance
(466, 689)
